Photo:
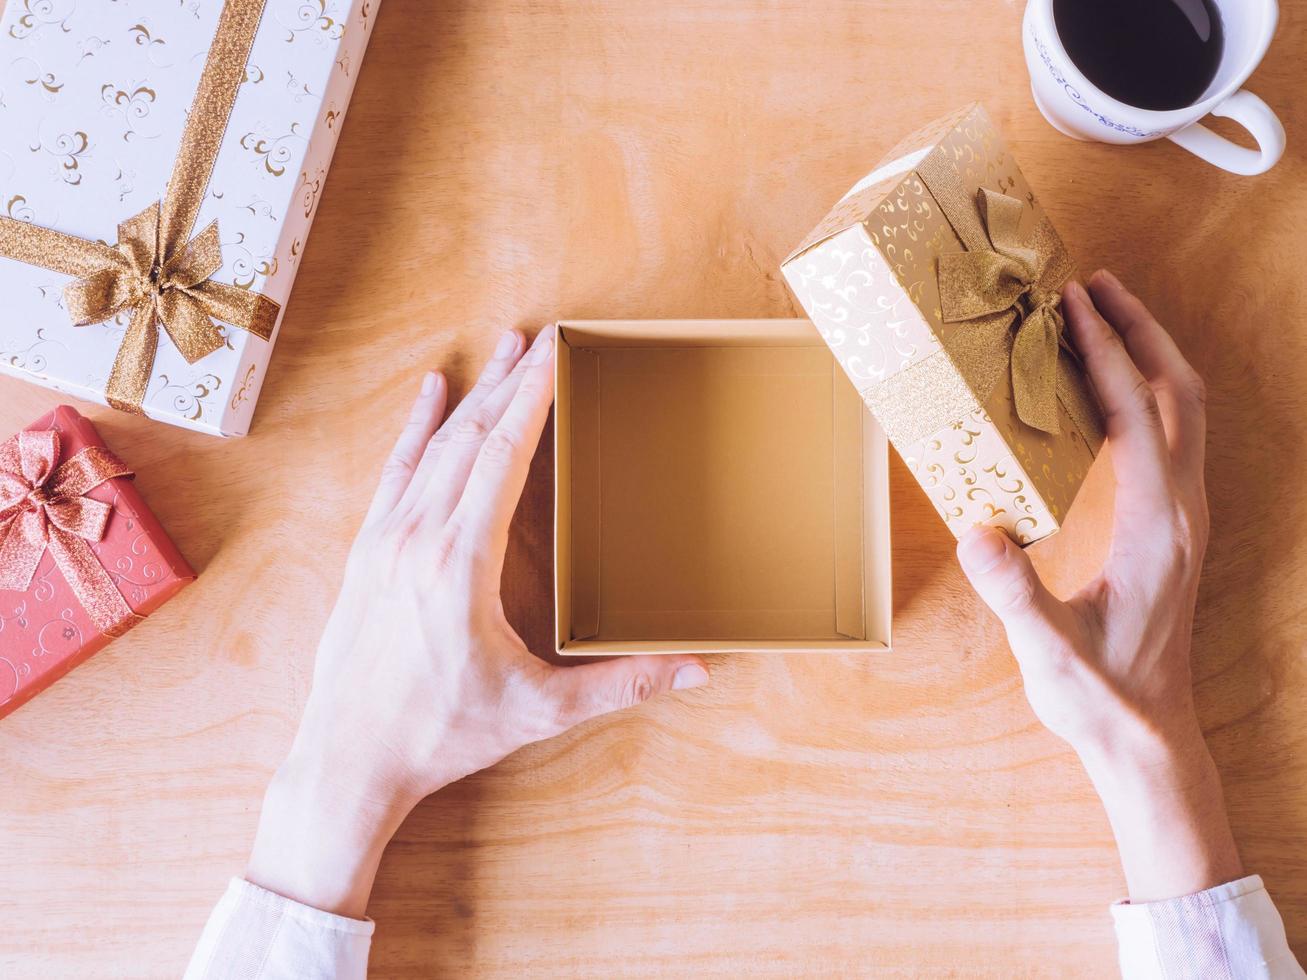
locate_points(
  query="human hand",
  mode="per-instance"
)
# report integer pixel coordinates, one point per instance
(420, 679)
(1109, 669)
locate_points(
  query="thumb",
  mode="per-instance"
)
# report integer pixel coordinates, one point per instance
(1002, 575)
(591, 690)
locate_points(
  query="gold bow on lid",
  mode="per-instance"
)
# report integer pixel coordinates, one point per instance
(156, 270)
(1003, 279)
(995, 290)
(44, 506)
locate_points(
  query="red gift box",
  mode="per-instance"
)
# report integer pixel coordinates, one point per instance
(82, 559)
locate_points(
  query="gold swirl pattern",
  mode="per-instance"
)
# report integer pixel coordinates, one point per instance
(314, 16)
(125, 181)
(156, 50)
(999, 485)
(275, 152)
(32, 357)
(18, 209)
(187, 398)
(873, 328)
(298, 90)
(247, 268)
(242, 391)
(259, 208)
(309, 191)
(38, 77)
(91, 46)
(973, 455)
(131, 106)
(37, 14)
(67, 149)
(142, 37)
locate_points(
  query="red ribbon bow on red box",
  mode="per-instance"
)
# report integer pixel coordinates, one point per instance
(43, 506)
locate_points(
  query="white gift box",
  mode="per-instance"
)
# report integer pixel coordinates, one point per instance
(94, 96)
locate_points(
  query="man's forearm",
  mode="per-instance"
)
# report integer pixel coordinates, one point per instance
(319, 843)
(1164, 801)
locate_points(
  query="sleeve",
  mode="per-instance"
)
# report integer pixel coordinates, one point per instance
(1230, 932)
(254, 934)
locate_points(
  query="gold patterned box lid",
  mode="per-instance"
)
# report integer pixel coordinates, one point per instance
(869, 277)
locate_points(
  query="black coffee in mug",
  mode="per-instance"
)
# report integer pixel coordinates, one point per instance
(1153, 54)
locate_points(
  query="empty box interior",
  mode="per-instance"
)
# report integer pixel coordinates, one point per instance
(720, 486)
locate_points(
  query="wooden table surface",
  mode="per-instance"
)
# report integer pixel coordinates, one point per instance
(506, 163)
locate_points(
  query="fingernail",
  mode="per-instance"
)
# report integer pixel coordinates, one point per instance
(507, 344)
(540, 351)
(1073, 289)
(691, 675)
(1110, 279)
(981, 549)
(429, 383)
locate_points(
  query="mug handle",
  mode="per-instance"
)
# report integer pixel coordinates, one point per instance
(1252, 114)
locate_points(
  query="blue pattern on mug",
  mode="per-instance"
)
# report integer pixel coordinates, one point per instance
(1074, 95)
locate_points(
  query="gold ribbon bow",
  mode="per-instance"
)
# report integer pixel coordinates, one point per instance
(156, 270)
(43, 506)
(997, 289)
(1002, 280)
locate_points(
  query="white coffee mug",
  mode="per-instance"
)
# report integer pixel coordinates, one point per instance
(1078, 108)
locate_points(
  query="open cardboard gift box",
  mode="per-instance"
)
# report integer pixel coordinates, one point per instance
(719, 487)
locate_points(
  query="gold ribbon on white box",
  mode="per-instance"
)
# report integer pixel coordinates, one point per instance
(157, 272)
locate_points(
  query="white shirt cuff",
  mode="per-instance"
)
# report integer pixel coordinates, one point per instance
(255, 934)
(1230, 931)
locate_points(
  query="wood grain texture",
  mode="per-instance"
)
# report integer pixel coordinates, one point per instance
(507, 163)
